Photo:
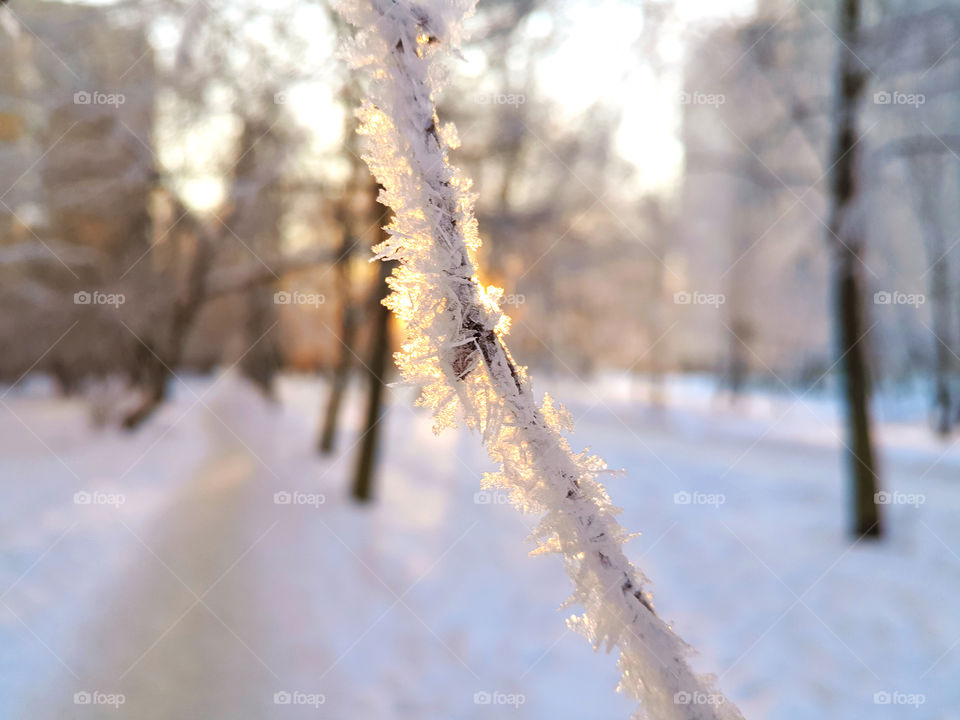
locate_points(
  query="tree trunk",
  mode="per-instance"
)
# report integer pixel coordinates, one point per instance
(855, 381)
(254, 221)
(157, 361)
(846, 235)
(346, 215)
(348, 329)
(263, 361)
(376, 372)
(152, 377)
(943, 370)
(738, 364)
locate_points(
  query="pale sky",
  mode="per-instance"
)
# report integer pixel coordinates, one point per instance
(607, 31)
(602, 35)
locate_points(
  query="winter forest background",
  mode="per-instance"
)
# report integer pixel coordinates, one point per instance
(727, 237)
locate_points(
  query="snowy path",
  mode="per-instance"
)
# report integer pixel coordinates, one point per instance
(157, 636)
(199, 597)
(175, 632)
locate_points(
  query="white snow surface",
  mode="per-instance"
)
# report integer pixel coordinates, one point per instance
(200, 597)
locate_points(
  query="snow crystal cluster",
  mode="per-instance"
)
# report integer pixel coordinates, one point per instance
(455, 349)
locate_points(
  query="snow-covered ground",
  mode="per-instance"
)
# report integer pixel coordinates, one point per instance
(178, 584)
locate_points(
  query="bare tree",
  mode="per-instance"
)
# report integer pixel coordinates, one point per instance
(846, 238)
(376, 367)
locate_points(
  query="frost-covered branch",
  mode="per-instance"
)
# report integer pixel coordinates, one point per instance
(455, 349)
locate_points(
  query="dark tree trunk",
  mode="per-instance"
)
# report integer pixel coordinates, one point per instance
(846, 237)
(376, 372)
(349, 313)
(327, 440)
(939, 297)
(263, 361)
(254, 221)
(157, 360)
(152, 378)
(855, 381)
